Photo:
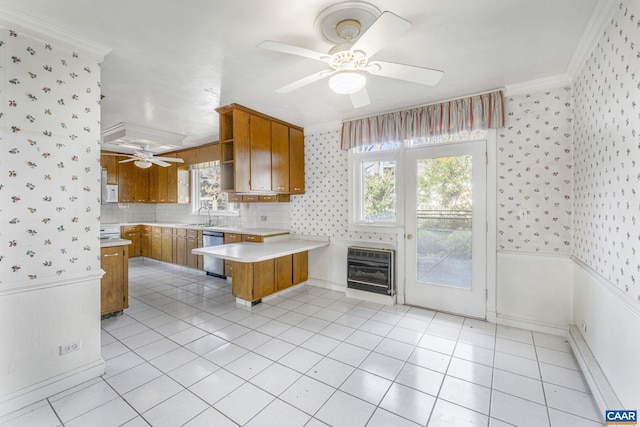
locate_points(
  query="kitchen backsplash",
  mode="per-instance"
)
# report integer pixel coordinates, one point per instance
(263, 215)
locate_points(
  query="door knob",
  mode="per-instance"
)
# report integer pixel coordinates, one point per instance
(409, 236)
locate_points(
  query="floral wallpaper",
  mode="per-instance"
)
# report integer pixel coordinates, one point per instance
(534, 173)
(49, 136)
(607, 154)
(322, 210)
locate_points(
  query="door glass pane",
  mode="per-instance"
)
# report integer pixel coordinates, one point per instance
(443, 218)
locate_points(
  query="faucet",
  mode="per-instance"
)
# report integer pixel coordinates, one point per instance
(208, 213)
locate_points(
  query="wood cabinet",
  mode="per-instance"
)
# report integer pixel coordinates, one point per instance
(255, 280)
(180, 246)
(257, 152)
(252, 238)
(114, 285)
(133, 183)
(132, 232)
(145, 240)
(193, 261)
(110, 163)
(296, 161)
(166, 247)
(230, 238)
(156, 243)
(200, 154)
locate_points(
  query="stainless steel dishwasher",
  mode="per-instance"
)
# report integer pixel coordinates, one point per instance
(213, 266)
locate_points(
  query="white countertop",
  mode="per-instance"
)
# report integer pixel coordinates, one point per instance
(255, 252)
(107, 243)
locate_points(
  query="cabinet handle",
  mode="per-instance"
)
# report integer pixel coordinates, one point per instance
(296, 188)
(107, 255)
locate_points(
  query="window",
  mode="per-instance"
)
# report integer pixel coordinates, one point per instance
(205, 189)
(374, 193)
(375, 179)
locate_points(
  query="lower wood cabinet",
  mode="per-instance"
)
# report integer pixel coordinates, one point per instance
(166, 245)
(156, 243)
(114, 285)
(255, 280)
(193, 261)
(132, 232)
(180, 246)
(145, 241)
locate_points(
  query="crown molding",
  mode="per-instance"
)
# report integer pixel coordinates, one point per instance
(602, 14)
(47, 33)
(545, 83)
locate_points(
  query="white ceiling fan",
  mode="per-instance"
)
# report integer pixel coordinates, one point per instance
(359, 31)
(144, 159)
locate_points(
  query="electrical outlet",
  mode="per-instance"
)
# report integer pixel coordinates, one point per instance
(68, 348)
(263, 218)
(583, 325)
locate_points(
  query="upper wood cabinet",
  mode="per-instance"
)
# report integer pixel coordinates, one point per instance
(257, 153)
(200, 154)
(296, 161)
(110, 163)
(133, 183)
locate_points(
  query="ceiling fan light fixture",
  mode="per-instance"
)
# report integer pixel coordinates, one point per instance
(142, 164)
(347, 82)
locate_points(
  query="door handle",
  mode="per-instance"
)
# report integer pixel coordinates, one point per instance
(409, 236)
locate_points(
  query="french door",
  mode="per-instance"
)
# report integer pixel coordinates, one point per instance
(446, 228)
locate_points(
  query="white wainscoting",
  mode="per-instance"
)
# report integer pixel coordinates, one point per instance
(534, 291)
(34, 324)
(613, 334)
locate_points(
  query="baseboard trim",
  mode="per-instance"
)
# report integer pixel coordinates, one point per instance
(532, 325)
(51, 386)
(602, 391)
(370, 296)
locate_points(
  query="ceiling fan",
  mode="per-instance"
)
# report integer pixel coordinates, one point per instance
(144, 159)
(358, 31)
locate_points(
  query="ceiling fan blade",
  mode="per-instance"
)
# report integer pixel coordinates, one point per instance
(169, 159)
(387, 27)
(360, 98)
(132, 159)
(155, 161)
(305, 81)
(410, 73)
(293, 50)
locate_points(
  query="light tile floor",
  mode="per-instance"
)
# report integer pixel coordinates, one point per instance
(185, 354)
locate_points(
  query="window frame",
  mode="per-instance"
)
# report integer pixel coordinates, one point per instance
(356, 159)
(196, 204)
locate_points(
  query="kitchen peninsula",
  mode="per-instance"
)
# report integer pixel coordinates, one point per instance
(260, 270)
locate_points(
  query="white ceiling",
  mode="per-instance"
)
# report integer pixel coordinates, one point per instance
(173, 62)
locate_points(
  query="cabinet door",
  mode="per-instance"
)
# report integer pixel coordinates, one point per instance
(263, 279)
(131, 232)
(191, 244)
(145, 241)
(241, 151)
(167, 245)
(296, 161)
(260, 164)
(110, 163)
(200, 257)
(279, 158)
(126, 179)
(156, 243)
(171, 181)
(284, 272)
(180, 246)
(154, 184)
(300, 267)
(114, 284)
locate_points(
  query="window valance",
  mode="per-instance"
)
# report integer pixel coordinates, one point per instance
(485, 111)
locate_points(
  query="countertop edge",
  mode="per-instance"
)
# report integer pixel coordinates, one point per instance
(256, 252)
